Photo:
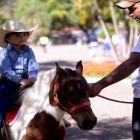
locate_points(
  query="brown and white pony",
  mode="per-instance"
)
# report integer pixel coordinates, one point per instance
(67, 91)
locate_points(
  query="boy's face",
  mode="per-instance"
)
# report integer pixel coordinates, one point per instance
(17, 39)
(134, 12)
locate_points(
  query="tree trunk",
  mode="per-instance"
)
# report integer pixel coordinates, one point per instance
(11, 4)
(104, 27)
(113, 17)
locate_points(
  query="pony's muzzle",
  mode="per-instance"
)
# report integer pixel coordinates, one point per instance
(85, 118)
(88, 124)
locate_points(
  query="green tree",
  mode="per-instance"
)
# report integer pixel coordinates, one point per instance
(83, 14)
(48, 13)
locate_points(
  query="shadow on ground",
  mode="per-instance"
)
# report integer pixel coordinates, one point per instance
(110, 129)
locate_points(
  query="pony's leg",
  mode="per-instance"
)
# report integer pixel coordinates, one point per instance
(66, 123)
(5, 132)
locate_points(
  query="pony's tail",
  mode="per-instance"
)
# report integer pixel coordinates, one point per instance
(5, 132)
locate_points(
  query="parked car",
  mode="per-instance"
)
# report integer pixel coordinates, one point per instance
(69, 35)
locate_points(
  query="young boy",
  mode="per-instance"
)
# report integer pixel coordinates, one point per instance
(18, 66)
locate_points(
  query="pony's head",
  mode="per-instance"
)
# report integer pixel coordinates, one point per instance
(69, 91)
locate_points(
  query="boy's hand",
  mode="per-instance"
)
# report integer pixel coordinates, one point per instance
(27, 82)
(24, 83)
(32, 80)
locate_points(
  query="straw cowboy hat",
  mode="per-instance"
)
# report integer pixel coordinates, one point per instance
(126, 3)
(13, 25)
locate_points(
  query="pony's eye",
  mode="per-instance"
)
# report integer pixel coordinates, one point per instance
(70, 91)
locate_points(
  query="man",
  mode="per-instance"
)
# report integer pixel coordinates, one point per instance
(132, 64)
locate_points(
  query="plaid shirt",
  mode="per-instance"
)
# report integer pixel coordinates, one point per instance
(13, 64)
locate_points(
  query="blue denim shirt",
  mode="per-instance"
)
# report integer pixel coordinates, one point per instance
(13, 63)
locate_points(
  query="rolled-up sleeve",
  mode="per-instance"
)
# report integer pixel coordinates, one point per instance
(136, 47)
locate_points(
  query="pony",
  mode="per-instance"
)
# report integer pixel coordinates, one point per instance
(56, 92)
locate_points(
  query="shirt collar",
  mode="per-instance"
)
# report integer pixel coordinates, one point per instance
(10, 47)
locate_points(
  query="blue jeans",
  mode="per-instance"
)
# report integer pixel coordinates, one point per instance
(136, 119)
(7, 89)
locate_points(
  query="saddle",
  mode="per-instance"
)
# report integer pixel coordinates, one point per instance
(10, 118)
(12, 115)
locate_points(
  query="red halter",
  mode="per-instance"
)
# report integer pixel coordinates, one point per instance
(79, 106)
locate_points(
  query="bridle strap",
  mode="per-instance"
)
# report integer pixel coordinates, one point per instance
(79, 106)
(73, 108)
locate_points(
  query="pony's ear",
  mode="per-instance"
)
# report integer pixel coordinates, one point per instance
(79, 67)
(57, 66)
(59, 70)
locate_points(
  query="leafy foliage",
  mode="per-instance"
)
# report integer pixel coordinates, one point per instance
(57, 14)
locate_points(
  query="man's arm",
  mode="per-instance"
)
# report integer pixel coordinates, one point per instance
(121, 72)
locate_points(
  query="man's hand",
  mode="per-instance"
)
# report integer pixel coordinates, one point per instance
(94, 89)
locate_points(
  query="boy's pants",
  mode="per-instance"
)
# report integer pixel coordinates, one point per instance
(7, 89)
(136, 119)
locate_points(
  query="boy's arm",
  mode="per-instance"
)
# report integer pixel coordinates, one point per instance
(33, 66)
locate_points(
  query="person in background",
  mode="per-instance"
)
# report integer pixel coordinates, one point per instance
(44, 43)
(131, 65)
(18, 66)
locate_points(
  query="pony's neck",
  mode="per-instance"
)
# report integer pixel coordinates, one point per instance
(56, 112)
